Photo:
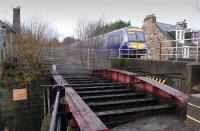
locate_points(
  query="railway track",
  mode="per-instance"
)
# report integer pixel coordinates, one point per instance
(115, 103)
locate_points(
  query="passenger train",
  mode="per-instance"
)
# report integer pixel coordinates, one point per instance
(130, 40)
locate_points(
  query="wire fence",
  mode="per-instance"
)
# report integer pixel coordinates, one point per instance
(70, 59)
(76, 60)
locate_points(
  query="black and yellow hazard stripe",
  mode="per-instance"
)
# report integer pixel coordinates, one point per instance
(162, 81)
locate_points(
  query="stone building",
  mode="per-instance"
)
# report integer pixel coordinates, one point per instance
(164, 40)
(6, 43)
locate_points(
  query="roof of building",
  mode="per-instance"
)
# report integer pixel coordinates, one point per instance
(5, 25)
(169, 27)
(166, 28)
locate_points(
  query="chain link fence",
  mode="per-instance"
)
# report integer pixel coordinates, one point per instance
(77, 60)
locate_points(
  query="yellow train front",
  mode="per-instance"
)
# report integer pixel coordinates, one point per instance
(130, 42)
(133, 43)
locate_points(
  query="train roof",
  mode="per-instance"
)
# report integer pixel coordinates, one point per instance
(115, 31)
(111, 33)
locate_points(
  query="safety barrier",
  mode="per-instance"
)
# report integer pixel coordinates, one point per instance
(58, 112)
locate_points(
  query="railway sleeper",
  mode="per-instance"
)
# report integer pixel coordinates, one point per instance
(96, 84)
(93, 88)
(104, 92)
(121, 104)
(113, 97)
(81, 82)
(116, 117)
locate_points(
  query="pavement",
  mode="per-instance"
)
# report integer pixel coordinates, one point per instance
(170, 122)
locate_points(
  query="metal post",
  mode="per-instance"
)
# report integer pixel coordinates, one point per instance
(48, 101)
(44, 102)
(119, 53)
(52, 52)
(128, 52)
(176, 50)
(54, 113)
(160, 51)
(88, 59)
(137, 51)
(197, 54)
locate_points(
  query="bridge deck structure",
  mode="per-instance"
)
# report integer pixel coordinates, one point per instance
(105, 99)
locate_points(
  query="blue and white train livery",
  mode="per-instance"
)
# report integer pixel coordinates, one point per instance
(130, 41)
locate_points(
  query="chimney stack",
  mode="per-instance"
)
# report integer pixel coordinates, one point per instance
(150, 18)
(182, 24)
(16, 19)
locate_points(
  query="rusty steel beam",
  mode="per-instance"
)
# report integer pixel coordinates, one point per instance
(147, 84)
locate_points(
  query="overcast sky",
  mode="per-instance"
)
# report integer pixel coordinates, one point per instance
(64, 14)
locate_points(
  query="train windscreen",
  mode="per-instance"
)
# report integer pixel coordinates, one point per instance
(136, 37)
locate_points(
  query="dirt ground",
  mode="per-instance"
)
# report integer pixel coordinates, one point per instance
(156, 123)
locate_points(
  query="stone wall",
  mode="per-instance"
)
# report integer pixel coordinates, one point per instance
(184, 76)
(154, 35)
(193, 77)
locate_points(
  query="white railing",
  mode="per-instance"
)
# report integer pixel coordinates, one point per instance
(132, 53)
(188, 51)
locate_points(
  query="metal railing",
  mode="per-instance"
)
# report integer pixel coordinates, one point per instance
(80, 59)
(168, 50)
(54, 118)
(58, 111)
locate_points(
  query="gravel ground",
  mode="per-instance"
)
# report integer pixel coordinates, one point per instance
(156, 123)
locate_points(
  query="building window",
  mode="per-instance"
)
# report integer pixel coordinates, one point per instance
(194, 37)
(180, 35)
(185, 52)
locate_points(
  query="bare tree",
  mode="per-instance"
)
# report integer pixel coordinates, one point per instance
(81, 28)
(35, 35)
(86, 29)
(89, 28)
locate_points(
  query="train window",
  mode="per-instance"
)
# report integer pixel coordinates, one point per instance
(121, 38)
(136, 37)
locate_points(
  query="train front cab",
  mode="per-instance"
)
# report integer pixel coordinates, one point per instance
(134, 44)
